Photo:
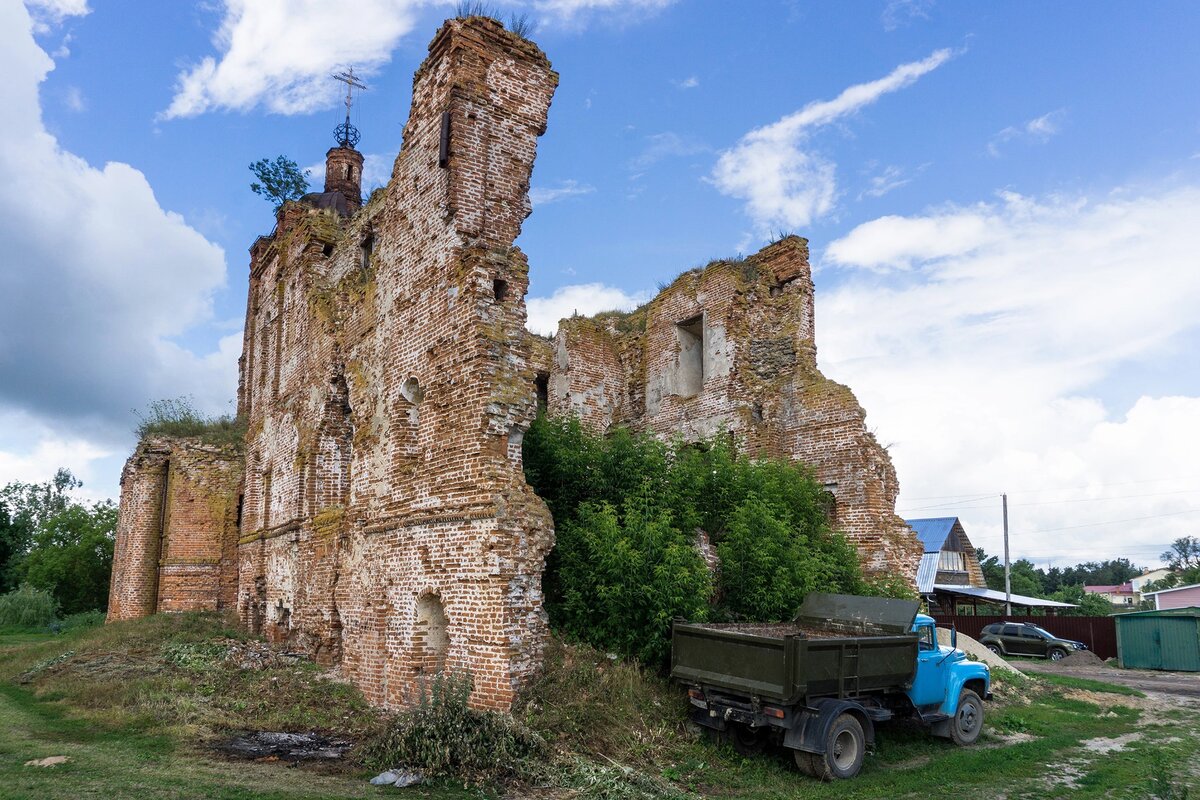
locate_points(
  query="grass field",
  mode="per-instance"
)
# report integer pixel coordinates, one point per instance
(136, 707)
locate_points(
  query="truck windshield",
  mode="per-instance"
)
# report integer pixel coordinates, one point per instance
(925, 638)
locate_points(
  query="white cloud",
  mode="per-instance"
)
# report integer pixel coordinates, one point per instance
(542, 195)
(986, 341)
(901, 12)
(888, 180)
(278, 54)
(46, 13)
(98, 282)
(74, 100)
(785, 186)
(690, 82)
(1038, 130)
(664, 145)
(586, 299)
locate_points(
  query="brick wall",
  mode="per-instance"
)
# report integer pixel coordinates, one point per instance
(386, 383)
(177, 530)
(730, 349)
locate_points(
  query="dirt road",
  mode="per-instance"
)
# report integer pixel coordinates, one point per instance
(1179, 684)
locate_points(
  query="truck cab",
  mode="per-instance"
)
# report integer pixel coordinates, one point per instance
(947, 688)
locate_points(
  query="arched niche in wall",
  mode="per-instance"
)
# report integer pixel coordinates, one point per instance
(412, 391)
(431, 638)
(335, 447)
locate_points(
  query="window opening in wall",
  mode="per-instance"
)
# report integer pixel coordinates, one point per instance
(266, 497)
(327, 250)
(831, 502)
(430, 637)
(444, 142)
(365, 248)
(335, 448)
(347, 174)
(241, 504)
(690, 333)
(500, 289)
(542, 382)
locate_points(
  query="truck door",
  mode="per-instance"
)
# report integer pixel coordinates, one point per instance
(929, 686)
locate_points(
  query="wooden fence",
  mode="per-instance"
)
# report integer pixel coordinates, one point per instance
(1098, 633)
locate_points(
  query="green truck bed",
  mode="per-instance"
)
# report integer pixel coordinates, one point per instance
(844, 647)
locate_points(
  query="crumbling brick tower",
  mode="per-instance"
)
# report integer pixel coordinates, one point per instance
(387, 523)
(730, 348)
(177, 532)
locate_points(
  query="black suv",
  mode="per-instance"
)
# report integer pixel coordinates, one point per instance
(1026, 639)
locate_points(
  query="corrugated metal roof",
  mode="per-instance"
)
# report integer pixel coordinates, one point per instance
(933, 531)
(927, 572)
(1186, 611)
(993, 596)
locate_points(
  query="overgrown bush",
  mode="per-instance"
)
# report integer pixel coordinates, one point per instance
(179, 417)
(444, 737)
(27, 608)
(627, 511)
(625, 576)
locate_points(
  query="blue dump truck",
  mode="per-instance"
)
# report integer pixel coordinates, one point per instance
(818, 685)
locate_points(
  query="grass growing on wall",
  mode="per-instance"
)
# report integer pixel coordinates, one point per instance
(178, 417)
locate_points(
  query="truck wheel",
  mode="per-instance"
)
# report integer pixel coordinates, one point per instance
(968, 720)
(845, 748)
(807, 763)
(1057, 654)
(745, 740)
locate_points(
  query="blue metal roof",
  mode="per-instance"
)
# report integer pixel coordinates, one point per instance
(932, 532)
(927, 572)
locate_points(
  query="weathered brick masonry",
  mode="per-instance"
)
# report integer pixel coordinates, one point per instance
(177, 532)
(730, 349)
(383, 522)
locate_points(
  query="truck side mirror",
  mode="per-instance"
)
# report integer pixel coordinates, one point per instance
(953, 636)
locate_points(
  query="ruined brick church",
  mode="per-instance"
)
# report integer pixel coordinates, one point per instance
(377, 515)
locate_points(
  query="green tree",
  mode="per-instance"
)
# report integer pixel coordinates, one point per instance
(279, 181)
(24, 508)
(1184, 554)
(1089, 605)
(72, 555)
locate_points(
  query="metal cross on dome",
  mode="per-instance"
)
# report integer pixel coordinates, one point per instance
(346, 134)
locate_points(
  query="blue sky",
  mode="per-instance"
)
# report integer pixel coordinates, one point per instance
(1000, 202)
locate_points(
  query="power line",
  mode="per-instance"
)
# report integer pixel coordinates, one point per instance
(1116, 521)
(1115, 497)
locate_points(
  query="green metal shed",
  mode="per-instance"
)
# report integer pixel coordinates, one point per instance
(1168, 639)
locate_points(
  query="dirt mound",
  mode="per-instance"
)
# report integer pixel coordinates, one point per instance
(1082, 658)
(975, 650)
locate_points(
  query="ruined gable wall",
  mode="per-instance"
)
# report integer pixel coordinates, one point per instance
(742, 362)
(433, 560)
(177, 530)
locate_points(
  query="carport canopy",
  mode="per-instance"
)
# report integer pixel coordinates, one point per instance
(980, 595)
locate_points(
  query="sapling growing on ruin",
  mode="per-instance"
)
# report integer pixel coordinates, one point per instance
(279, 181)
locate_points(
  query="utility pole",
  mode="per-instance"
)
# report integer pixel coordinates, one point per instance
(1007, 567)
